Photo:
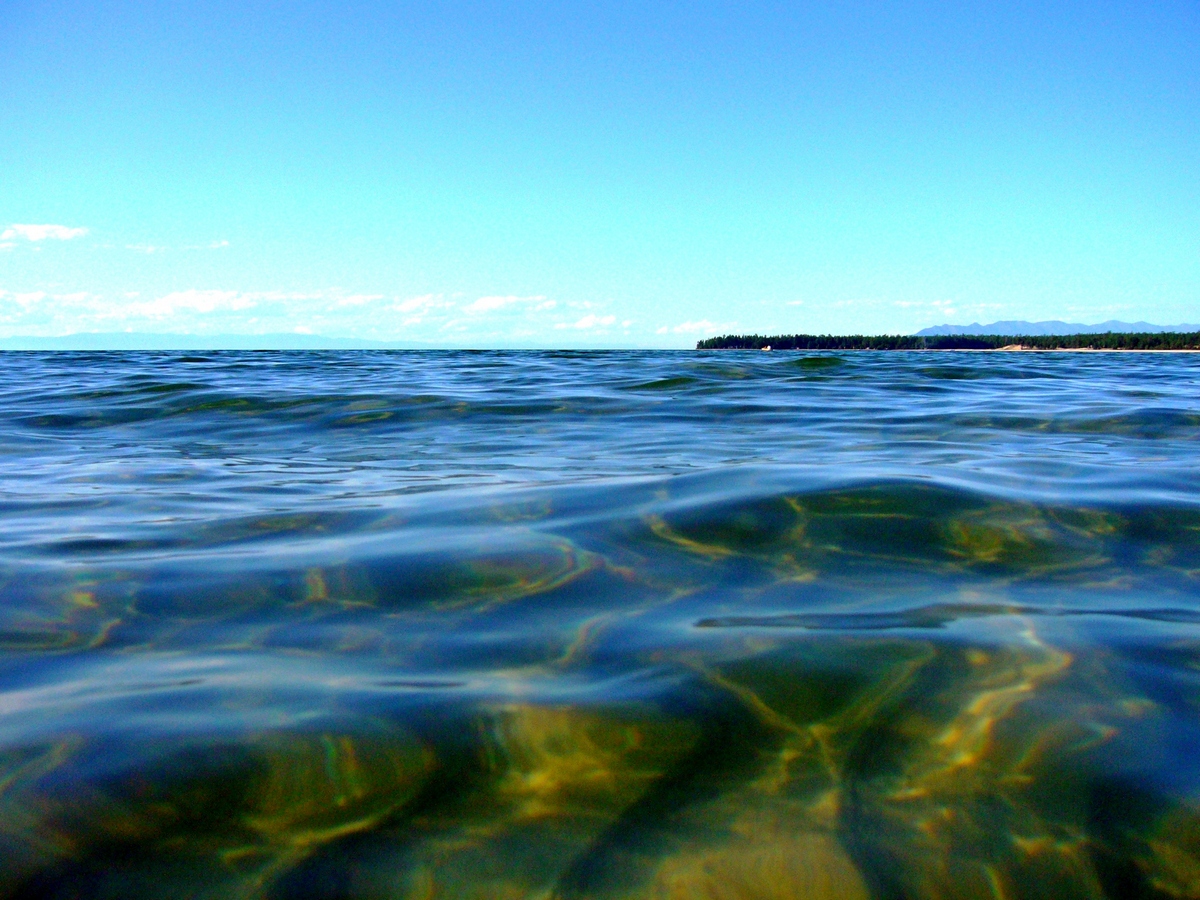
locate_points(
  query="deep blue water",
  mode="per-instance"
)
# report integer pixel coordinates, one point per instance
(657, 624)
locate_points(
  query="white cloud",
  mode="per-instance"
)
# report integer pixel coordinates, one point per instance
(416, 309)
(591, 320)
(29, 299)
(493, 303)
(490, 304)
(700, 325)
(420, 304)
(436, 318)
(42, 232)
(358, 299)
(189, 311)
(192, 301)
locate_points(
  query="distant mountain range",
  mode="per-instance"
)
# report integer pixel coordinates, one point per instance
(1054, 327)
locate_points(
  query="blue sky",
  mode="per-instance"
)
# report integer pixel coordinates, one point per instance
(595, 174)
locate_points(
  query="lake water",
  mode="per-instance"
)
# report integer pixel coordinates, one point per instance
(610, 625)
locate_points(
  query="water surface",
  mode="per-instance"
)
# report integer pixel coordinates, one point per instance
(613, 625)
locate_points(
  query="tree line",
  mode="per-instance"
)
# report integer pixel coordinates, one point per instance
(1109, 340)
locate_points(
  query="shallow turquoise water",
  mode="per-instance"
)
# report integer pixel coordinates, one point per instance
(417, 625)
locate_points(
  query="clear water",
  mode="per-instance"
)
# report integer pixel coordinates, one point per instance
(618, 625)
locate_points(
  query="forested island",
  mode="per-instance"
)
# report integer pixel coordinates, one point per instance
(1112, 340)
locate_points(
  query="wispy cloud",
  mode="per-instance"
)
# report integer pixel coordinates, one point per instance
(590, 321)
(490, 304)
(696, 327)
(192, 301)
(41, 232)
(496, 302)
(490, 319)
(358, 299)
(415, 310)
(420, 304)
(159, 248)
(26, 300)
